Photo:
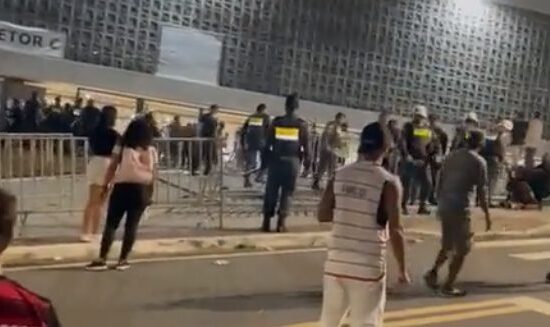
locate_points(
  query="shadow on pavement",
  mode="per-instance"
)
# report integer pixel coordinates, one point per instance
(302, 300)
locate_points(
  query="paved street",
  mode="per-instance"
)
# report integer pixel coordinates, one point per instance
(284, 289)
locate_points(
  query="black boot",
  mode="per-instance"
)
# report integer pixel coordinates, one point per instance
(247, 183)
(281, 225)
(315, 186)
(266, 225)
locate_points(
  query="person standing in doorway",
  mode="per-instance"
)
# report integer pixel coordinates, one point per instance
(132, 172)
(253, 135)
(463, 171)
(287, 142)
(363, 202)
(331, 141)
(533, 139)
(417, 138)
(102, 142)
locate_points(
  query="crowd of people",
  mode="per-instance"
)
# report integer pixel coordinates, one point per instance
(365, 201)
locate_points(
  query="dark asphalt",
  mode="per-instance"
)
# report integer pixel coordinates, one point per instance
(267, 290)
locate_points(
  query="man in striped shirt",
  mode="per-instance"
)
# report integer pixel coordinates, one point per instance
(366, 214)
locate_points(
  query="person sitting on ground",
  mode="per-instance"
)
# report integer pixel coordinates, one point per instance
(527, 187)
(18, 305)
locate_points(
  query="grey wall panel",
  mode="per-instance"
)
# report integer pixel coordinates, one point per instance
(368, 54)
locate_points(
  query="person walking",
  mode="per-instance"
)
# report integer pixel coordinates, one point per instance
(132, 172)
(18, 305)
(287, 141)
(363, 203)
(102, 142)
(253, 136)
(463, 171)
(494, 153)
(417, 138)
(331, 141)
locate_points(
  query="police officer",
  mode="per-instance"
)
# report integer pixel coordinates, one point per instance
(417, 139)
(287, 141)
(460, 140)
(331, 141)
(436, 154)
(253, 136)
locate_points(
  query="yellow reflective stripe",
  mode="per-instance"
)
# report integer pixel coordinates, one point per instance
(422, 132)
(287, 133)
(256, 121)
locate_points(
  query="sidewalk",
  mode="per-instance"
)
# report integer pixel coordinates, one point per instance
(162, 237)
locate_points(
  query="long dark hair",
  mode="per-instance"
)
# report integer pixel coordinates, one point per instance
(138, 135)
(107, 119)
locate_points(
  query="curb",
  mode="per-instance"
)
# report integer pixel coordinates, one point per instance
(32, 255)
(79, 252)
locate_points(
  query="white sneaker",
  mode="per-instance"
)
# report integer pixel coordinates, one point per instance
(86, 238)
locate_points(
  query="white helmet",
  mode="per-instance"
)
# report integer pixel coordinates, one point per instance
(472, 116)
(420, 110)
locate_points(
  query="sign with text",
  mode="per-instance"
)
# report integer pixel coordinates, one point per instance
(32, 40)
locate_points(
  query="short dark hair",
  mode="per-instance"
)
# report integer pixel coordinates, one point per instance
(138, 134)
(537, 114)
(292, 102)
(108, 116)
(214, 107)
(340, 115)
(475, 139)
(8, 214)
(373, 139)
(261, 107)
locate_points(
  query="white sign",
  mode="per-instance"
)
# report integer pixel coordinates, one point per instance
(32, 40)
(189, 54)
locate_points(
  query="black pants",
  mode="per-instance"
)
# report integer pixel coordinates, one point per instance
(209, 155)
(413, 175)
(128, 199)
(281, 177)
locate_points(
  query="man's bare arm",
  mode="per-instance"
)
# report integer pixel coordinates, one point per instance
(392, 199)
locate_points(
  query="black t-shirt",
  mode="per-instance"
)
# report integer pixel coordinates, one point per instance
(102, 141)
(209, 125)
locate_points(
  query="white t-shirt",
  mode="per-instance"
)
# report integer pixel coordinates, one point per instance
(136, 165)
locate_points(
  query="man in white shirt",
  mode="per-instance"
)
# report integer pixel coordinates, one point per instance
(533, 139)
(364, 203)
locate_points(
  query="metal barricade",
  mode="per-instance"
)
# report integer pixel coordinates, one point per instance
(47, 174)
(191, 176)
(45, 171)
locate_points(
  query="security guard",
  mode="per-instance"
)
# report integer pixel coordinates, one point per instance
(462, 134)
(417, 138)
(253, 135)
(331, 142)
(287, 141)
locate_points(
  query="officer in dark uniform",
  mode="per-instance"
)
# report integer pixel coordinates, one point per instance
(253, 136)
(287, 141)
(437, 153)
(462, 133)
(417, 138)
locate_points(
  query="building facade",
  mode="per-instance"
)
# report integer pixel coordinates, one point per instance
(366, 54)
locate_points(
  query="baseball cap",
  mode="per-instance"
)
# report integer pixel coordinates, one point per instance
(420, 111)
(373, 138)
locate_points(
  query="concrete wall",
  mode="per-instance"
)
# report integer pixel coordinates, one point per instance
(42, 69)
